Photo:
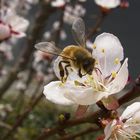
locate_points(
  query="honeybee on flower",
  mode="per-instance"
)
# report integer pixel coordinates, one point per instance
(72, 57)
(107, 76)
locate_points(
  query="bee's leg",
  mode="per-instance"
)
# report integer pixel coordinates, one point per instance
(79, 73)
(66, 70)
(62, 72)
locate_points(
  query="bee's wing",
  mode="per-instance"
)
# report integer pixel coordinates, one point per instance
(49, 47)
(78, 30)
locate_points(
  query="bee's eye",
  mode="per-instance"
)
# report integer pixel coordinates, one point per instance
(86, 63)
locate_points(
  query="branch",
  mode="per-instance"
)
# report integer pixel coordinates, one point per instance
(97, 25)
(93, 118)
(79, 134)
(132, 94)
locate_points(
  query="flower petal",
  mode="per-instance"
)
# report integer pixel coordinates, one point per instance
(136, 116)
(120, 80)
(108, 129)
(108, 3)
(131, 110)
(4, 32)
(58, 3)
(82, 95)
(18, 23)
(55, 93)
(108, 52)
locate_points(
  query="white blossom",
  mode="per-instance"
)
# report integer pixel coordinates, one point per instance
(108, 4)
(12, 25)
(127, 127)
(58, 3)
(109, 76)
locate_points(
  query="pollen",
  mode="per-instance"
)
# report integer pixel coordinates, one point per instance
(61, 84)
(117, 61)
(90, 78)
(113, 74)
(118, 126)
(96, 62)
(94, 46)
(103, 50)
(77, 83)
(61, 117)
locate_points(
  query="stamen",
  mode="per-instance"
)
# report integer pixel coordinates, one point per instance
(133, 125)
(103, 50)
(137, 135)
(95, 85)
(96, 62)
(101, 85)
(77, 83)
(61, 84)
(126, 134)
(115, 137)
(94, 46)
(110, 78)
(90, 78)
(113, 74)
(98, 70)
(117, 61)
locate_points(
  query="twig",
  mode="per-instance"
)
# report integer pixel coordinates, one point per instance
(91, 118)
(79, 134)
(97, 25)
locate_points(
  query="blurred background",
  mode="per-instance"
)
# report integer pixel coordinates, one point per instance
(24, 111)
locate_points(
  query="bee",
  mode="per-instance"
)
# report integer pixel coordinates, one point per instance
(72, 56)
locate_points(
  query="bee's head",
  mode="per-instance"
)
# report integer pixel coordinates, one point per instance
(88, 65)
